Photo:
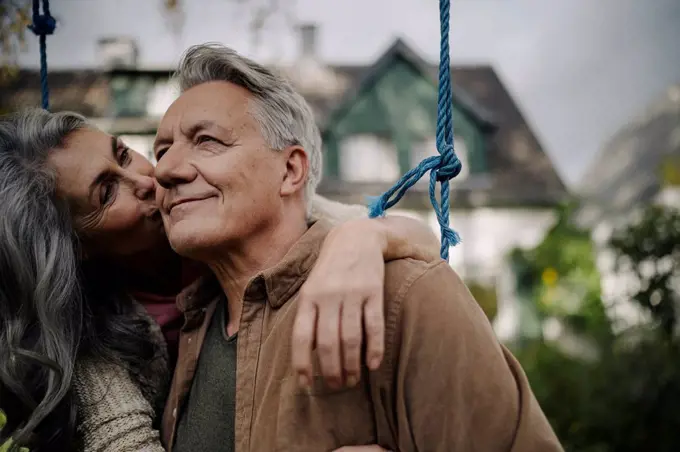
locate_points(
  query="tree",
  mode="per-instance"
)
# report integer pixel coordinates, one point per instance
(626, 400)
(649, 252)
(14, 20)
(560, 278)
(260, 13)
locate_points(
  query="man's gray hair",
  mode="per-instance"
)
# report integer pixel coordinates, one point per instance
(283, 114)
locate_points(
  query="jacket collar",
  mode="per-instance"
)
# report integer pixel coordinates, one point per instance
(275, 284)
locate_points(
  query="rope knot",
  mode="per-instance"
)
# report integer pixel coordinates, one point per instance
(449, 165)
(443, 167)
(43, 25)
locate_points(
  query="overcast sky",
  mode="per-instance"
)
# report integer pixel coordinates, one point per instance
(579, 69)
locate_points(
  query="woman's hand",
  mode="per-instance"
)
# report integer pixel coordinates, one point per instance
(343, 296)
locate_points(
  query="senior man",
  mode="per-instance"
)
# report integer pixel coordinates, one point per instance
(239, 159)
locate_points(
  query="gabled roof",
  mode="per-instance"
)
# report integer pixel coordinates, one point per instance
(518, 163)
(520, 171)
(627, 172)
(400, 50)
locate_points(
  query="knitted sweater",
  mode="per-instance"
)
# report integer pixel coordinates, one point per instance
(118, 410)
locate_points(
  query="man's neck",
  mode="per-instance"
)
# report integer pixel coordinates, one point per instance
(236, 266)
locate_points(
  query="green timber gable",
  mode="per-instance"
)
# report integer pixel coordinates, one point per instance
(399, 102)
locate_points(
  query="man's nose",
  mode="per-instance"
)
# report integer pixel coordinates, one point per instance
(173, 169)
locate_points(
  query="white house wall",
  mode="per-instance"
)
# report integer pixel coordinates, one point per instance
(161, 97)
(368, 158)
(488, 235)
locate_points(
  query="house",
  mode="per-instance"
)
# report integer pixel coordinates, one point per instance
(639, 166)
(377, 121)
(636, 167)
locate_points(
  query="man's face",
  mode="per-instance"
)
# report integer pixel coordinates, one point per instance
(219, 182)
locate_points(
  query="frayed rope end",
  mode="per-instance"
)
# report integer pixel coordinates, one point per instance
(376, 206)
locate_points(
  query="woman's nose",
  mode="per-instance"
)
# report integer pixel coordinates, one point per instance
(142, 184)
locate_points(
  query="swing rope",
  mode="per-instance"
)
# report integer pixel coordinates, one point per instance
(43, 25)
(442, 167)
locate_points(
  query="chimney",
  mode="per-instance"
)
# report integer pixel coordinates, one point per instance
(309, 74)
(308, 37)
(117, 53)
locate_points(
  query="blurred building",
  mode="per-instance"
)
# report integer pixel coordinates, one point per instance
(377, 121)
(639, 166)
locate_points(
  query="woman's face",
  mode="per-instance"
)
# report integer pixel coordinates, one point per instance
(110, 189)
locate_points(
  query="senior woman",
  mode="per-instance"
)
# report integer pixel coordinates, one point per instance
(88, 323)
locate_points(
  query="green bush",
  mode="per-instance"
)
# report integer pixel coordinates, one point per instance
(625, 400)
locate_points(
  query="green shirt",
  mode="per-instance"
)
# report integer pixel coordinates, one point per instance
(207, 420)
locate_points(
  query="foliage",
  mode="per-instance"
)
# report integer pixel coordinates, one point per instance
(670, 171)
(14, 19)
(261, 12)
(486, 297)
(649, 250)
(8, 446)
(560, 275)
(625, 400)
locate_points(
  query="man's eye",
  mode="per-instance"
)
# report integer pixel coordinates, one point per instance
(160, 154)
(205, 139)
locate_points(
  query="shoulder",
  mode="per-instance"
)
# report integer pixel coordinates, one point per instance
(428, 295)
(96, 374)
(404, 276)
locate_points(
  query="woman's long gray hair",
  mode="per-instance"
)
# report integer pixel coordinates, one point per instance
(45, 321)
(40, 298)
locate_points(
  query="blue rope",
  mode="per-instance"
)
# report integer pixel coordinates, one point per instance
(442, 167)
(43, 25)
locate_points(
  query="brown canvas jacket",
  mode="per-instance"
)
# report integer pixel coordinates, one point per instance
(445, 384)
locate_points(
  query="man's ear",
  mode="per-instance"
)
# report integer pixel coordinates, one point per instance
(297, 170)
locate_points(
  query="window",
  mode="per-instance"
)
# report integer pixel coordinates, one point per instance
(161, 96)
(140, 96)
(428, 148)
(368, 158)
(129, 95)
